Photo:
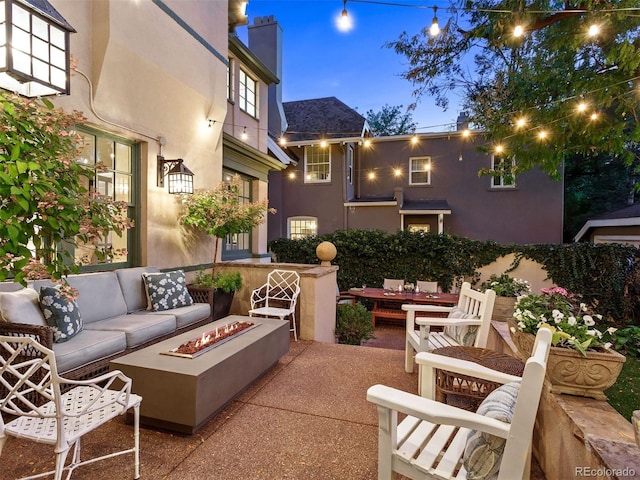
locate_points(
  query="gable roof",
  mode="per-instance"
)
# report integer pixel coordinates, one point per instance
(322, 118)
(626, 216)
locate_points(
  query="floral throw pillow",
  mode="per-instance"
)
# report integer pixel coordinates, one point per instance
(166, 290)
(61, 313)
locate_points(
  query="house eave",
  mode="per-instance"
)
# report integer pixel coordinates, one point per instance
(611, 222)
(240, 50)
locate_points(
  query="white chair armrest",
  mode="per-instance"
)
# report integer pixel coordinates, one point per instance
(425, 308)
(432, 411)
(464, 367)
(111, 376)
(445, 322)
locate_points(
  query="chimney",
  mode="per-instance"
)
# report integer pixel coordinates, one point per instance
(265, 41)
(462, 123)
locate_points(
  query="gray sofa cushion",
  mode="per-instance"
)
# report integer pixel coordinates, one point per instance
(132, 286)
(187, 315)
(100, 296)
(138, 327)
(86, 347)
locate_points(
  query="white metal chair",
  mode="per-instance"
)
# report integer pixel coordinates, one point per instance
(439, 441)
(427, 287)
(474, 309)
(392, 283)
(277, 297)
(30, 393)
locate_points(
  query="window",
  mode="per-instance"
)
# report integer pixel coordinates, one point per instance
(301, 227)
(504, 167)
(419, 227)
(350, 165)
(230, 80)
(248, 94)
(116, 180)
(317, 164)
(420, 171)
(238, 245)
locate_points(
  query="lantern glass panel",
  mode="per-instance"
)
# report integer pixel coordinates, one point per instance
(21, 17)
(58, 58)
(21, 40)
(57, 37)
(40, 49)
(21, 62)
(3, 58)
(58, 78)
(40, 28)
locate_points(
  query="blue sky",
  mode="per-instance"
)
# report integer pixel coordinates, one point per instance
(355, 67)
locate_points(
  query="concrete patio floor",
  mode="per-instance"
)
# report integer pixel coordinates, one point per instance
(307, 419)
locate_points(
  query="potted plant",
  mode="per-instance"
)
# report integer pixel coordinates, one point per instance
(353, 324)
(221, 212)
(222, 287)
(507, 290)
(581, 361)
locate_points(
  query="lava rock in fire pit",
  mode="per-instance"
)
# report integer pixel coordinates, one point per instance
(210, 338)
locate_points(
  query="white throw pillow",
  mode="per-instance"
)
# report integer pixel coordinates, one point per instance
(483, 451)
(21, 306)
(462, 334)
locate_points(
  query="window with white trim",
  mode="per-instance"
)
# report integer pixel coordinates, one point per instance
(317, 164)
(504, 167)
(116, 180)
(248, 95)
(238, 245)
(420, 171)
(230, 80)
(301, 227)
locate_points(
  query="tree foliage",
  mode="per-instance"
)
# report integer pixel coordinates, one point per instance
(47, 209)
(390, 121)
(222, 211)
(541, 77)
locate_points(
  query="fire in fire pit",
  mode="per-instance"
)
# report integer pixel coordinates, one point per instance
(212, 339)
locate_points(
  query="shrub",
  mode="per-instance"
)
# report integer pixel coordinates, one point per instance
(353, 324)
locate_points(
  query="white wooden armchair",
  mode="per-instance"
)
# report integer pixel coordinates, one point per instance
(30, 393)
(468, 323)
(439, 441)
(277, 297)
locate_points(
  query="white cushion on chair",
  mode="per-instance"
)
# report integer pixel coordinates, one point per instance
(483, 452)
(462, 334)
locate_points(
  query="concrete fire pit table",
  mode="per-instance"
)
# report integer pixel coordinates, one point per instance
(181, 394)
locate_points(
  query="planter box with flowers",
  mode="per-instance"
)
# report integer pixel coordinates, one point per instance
(581, 362)
(507, 290)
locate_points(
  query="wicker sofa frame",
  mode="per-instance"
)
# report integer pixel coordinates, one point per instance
(44, 336)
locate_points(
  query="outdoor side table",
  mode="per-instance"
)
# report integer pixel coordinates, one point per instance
(465, 391)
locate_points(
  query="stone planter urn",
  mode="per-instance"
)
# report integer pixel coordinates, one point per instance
(503, 308)
(570, 372)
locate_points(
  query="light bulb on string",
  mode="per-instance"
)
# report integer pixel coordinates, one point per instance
(344, 22)
(434, 30)
(521, 122)
(594, 30)
(518, 31)
(543, 134)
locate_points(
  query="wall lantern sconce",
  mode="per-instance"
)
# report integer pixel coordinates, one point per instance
(34, 48)
(179, 177)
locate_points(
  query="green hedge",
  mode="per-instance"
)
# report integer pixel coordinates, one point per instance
(606, 275)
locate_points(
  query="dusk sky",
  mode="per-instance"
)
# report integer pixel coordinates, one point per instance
(355, 67)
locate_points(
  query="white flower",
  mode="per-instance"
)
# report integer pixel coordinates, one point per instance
(611, 329)
(594, 333)
(588, 321)
(571, 320)
(583, 307)
(607, 345)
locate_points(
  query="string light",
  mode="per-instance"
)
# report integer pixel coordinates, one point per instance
(542, 134)
(518, 31)
(371, 175)
(397, 172)
(344, 22)
(521, 122)
(434, 30)
(323, 144)
(282, 141)
(367, 143)
(414, 139)
(594, 30)
(292, 175)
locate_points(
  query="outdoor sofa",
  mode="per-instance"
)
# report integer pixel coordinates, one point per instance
(115, 319)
